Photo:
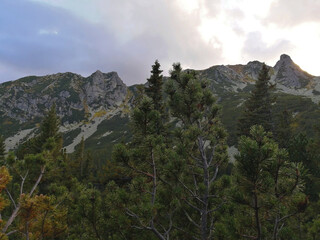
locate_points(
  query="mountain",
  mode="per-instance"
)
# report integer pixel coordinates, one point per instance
(82, 104)
(97, 107)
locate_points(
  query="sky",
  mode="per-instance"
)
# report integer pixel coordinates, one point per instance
(40, 37)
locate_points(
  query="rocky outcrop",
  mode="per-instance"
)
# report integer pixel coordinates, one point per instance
(74, 95)
(289, 74)
(285, 73)
(103, 89)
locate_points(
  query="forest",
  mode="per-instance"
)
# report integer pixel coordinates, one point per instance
(174, 179)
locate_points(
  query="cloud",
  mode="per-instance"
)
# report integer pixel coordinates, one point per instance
(38, 38)
(255, 48)
(288, 13)
(159, 29)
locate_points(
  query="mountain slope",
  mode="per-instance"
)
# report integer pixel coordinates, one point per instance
(97, 107)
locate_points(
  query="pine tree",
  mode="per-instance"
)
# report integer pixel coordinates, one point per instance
(49, 136)
(201, 149)
(267, 186)
(146, 160)
(258, 107)
(306, 151)
(38, 169)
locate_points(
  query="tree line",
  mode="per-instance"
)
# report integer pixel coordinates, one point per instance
(174, 179)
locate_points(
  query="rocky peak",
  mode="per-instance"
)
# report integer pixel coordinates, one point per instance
(29, 97)
(252, 69)
(290, 74)
(104, 88)
(286, 58)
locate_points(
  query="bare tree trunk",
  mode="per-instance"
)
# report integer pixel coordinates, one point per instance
(256, 211)
(27, 230)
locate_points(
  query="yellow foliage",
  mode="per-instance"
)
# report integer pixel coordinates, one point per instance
(43, 217)
(5, 178)
(294, 125)
(3, 236)
(99, 114)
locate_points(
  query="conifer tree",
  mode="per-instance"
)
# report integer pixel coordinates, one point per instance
(80, 159)
(37, 169)
(154, 88)
(268, 186)
(201, 147)
(154, 91)
(283, 130)
(50, 129)
(49, 134)
(146, 159)
(258, 107)
(2, 148)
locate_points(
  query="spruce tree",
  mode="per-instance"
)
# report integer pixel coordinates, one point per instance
(50, 126)
(258, 107)
(154, 91)
(49, 136)
(154, 87)
(283, 130)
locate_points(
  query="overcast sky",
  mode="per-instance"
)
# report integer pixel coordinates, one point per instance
(40, 37)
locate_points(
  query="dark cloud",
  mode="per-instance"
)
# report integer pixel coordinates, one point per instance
(40, 39)
(255, 48)
(288, 13)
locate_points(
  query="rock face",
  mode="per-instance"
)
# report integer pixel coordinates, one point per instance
(73, 94)
(104, 89)
(290, 74)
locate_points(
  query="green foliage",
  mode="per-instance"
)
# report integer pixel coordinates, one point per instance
(269, 186)
(2, 149)
(283, 131)
(49, 136)
(306, 151)
(154, 88)
(171, 178)
(200, 144)
(258, 106)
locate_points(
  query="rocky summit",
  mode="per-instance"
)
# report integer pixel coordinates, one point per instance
(289, 74)
(96, 107)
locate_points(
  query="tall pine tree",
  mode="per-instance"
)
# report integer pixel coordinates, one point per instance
(258, 107)
(146, 159)
(200, 143)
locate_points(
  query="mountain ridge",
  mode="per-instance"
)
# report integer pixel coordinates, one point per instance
(88, 106)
